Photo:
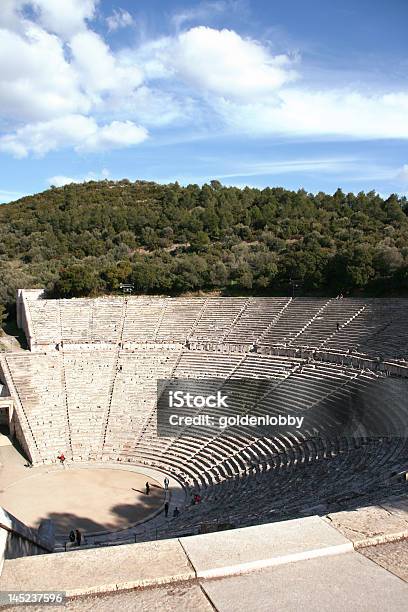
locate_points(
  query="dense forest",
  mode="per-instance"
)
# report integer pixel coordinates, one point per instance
(86, 239)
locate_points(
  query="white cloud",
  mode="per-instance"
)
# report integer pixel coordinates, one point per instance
(36, 82)
(44, 136)
(99, 70)
(81, 133)
(42, 76)
(60, 83)
(299, 112)
(221, 62)
(119, 19)
(61, 180)
(61, 17)
(64, 17)
(9, 14)
(225, 63)
(115, 135)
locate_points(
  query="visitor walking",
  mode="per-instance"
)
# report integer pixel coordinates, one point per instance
(176, 512)
(147, 488)
(166, 483)
(166, 509)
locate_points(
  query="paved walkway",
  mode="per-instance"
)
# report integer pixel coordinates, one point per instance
(4, 440)
(327, 584)
(185, 597)
(12, 463)
(392, 556)
(333, 583)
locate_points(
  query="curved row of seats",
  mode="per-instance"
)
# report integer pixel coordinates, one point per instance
(354, 475)
(376, 327)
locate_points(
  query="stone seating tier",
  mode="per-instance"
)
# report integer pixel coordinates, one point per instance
(376, 327)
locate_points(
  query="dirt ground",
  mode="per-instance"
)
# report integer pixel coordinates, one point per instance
(91, 499)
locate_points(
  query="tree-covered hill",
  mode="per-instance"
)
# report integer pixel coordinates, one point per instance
(85, 239)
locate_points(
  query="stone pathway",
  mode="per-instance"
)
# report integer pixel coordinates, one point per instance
(392, 556)
(184, 597)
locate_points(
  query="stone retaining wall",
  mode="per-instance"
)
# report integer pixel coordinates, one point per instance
(18, 540)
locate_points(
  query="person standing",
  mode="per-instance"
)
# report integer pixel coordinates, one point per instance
(147, 488)
(166, 483)
(166, 509)
(61, 458)
(78, 537)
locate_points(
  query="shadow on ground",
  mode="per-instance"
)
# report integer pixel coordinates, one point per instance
(125, 515)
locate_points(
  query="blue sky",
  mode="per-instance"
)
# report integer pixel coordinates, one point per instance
(295, 94)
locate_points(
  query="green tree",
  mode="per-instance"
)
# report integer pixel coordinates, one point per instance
(200, 241)
(74, 239)
(77, 281)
